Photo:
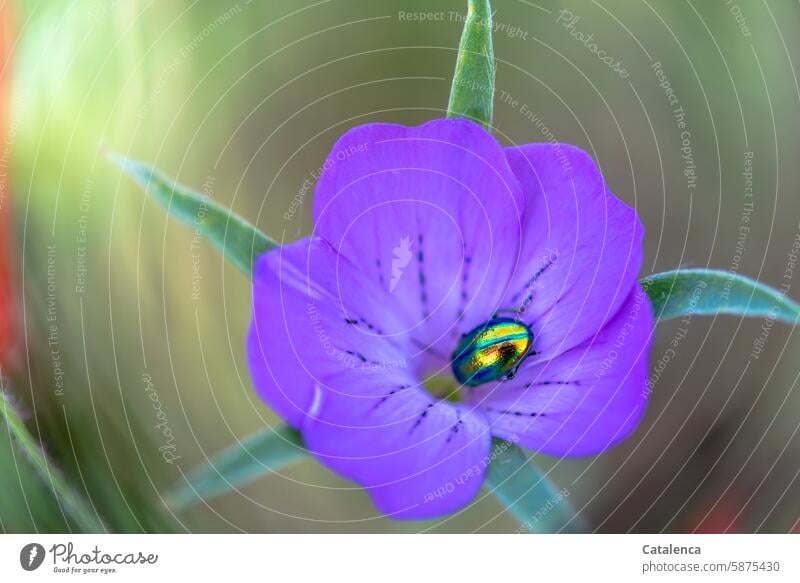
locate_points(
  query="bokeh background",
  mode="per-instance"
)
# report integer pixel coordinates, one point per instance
(104, 300)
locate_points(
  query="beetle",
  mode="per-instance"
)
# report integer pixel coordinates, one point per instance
(493, 350)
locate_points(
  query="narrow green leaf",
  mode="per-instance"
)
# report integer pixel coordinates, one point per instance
(705, 292)
(472, 92)
(527, 493)
(260, 454)
(239, 241)
(70, 500)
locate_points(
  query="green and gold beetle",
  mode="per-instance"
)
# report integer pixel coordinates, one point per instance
(491, 351)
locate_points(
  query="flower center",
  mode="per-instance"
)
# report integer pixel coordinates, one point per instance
(443, 386)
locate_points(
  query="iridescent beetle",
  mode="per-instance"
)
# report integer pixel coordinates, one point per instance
(493, 350)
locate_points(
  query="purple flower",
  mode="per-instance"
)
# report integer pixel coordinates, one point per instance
(421, 235)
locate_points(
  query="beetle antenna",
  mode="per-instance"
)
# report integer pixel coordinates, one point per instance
(516, 311)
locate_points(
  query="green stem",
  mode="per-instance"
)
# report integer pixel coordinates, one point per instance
(472, 91)
(75, 506)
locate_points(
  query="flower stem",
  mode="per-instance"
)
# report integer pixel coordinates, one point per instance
(472, 91)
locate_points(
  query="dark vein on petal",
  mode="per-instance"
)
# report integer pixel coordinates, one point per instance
(360, 320)
(389, 394)
(421, 418)
(529, 285)
(545, 383)
(454, 429)
(514, 412)
(423, 293)
(362, 358)
(380, 273)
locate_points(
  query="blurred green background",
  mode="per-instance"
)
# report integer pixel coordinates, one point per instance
(243, 100)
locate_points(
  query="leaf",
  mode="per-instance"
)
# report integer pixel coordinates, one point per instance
(263, 453)
(512, 477)
(239, 241)
(528, 494)
(70, 500)
(706, 292)
(472, 91)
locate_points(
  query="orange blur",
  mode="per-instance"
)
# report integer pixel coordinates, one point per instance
(8, 321)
